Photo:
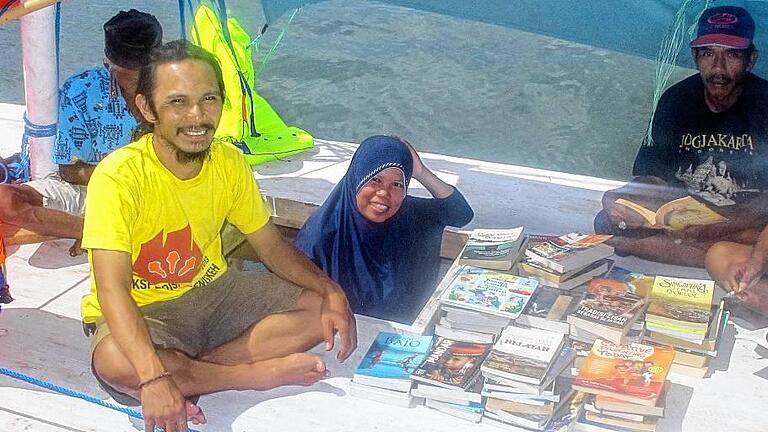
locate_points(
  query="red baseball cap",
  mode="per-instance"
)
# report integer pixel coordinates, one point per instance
(725, 26)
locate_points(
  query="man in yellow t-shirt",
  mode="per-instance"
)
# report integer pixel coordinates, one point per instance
(171, 320)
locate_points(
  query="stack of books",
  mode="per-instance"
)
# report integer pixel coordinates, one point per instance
(524, 386)
(549, 308)
(496, 249)
(384, 373)
(449, 379)
(466, 404)
(625, 384)
(681, 314)
(567, 261)
(681, 308)
(478, 303)
(610, 310)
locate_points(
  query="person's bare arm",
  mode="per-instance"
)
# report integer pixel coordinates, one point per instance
(435, 186)
(78, 173)
(162, 402)
(283, 259)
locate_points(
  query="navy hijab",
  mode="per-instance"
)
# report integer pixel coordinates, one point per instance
(360, 255)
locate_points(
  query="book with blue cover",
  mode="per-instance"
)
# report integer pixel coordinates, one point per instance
(391, 359)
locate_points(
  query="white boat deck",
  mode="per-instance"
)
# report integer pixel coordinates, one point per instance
(40, 333)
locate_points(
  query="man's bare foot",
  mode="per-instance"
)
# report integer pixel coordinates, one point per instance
(195, 414)
(293, 369)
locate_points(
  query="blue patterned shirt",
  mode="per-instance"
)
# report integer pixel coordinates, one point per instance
(93, 119)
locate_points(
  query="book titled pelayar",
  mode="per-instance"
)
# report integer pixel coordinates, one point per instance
(489, 291)
(523, 354)
(391, 359)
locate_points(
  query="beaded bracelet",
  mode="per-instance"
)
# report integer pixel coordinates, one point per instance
(151, 380)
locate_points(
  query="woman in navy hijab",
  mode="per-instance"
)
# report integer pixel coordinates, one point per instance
(380, 244)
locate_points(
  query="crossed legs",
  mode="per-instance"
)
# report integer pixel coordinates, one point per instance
(267, 355)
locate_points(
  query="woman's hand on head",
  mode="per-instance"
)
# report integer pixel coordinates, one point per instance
(418, 166)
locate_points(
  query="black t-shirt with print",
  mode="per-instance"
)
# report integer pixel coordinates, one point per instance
(721, 158)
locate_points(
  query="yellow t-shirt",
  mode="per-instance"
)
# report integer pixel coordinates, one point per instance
(169, 226)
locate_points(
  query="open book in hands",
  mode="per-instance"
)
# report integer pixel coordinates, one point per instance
(673, 215)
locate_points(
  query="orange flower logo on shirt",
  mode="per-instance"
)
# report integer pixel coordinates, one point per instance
(175, 261)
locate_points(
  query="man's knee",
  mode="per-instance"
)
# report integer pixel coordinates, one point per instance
(112, 366)
(603, 224)
(722, 255)
(8, 203)
(13, 202)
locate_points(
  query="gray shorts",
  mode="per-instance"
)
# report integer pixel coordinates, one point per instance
(60, 195)
(210, 316)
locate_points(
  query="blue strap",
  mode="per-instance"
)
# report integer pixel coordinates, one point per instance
(73, 393)
(39, 131)
(20, 171)
(57, 33)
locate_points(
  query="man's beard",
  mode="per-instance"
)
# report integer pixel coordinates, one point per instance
(189, 157)
(185, 157)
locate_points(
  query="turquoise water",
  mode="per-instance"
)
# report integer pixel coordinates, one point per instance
(349, 69)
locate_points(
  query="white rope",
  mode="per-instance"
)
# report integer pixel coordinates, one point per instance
(680, 33)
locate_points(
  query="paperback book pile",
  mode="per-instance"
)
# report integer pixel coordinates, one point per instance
(681, 314)
(626, 384)
(564, 281)
(693, 359)
(478, 303)
(497, 249)
(681, 308)
(450, 380)
(567, 261)
(384, 373)
(608, 310)
(523, 385)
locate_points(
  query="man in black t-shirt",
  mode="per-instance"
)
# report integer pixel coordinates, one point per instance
(709, 141)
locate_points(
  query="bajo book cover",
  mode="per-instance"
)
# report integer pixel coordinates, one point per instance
(391, 359)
